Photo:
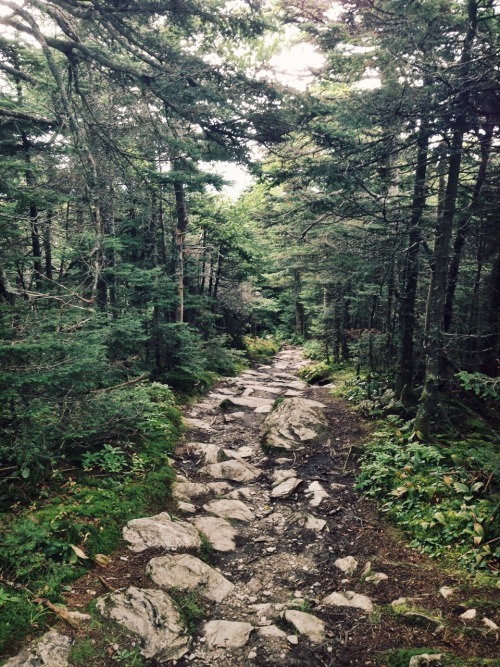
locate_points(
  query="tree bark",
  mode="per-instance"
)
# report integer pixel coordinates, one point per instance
(407, 318)
(463, 227)
(180, 232)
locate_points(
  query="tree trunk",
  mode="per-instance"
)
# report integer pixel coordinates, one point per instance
(180, 232)
(429, 404)
(407, 317)
(47, 245)
(463, 226)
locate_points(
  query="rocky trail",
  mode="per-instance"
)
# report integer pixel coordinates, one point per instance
(268, 538)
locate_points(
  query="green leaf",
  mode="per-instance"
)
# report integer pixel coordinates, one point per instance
(25, 473)
(461, 488)
(439, 516)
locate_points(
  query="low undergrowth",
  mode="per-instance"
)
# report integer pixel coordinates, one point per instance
(443, 493)
(259, 349)
(76, 518)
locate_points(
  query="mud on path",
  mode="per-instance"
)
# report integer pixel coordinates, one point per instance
(303, 570)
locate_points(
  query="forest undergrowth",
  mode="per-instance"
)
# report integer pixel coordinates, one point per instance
(68, 516)
(444, 492)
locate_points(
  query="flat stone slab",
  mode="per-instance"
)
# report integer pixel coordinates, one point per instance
(227, 634)
(208, 452)
(316, 494)
(295, 422)
(236, 471)
(349, 599)
(219, 532)
(248, 401)
(189, 422)
(190, 490)
(185, 572)
(306, 624)
(286, 488)
(230, 509)
(267, 389)
(51, 650)
(160, 531)
(297, 384)
(151, 616)
(263, 409)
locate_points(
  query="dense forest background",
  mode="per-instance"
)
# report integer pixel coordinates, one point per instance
(371, 230)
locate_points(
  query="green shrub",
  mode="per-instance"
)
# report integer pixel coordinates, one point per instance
(260, 348)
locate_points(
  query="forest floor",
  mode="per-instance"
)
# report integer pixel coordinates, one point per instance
(289, 553)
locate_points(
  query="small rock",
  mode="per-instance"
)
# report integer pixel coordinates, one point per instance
(271, 631)
(236, 471)
(252, 655)
(219, 532)
(306, 624)
(348, 564)
(281, 474)
(376, 578)
(208, 452)
(316, 494)
(468, 615)
(491, 625)
(293, 639)
(349, 599)
(186, 508)
(426, 660)
(227, 634)
(230, 509)
(446, 591)
(286, 488)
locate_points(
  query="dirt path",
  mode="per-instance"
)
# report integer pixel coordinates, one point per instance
(302, 571)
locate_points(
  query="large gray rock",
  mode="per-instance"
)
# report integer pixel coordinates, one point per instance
(295, 422)
(51, 650)
(185, 572)
(151, 616)
(306, 624)
(219, 532)
(236, 471)
(227, 634)
(247, 401)
(161, 531)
